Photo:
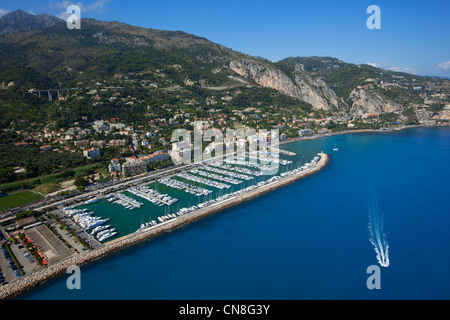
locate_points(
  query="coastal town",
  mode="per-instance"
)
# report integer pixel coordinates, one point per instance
(119, 155)
(114, 134)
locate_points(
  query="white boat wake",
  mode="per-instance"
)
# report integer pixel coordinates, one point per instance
(377, 236)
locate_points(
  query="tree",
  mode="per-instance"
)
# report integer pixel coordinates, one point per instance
(80, 182)
(27, 213)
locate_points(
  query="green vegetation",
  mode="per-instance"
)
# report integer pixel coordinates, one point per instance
(47, 188)
(36, 162)
(24, 214)
(389, 117)
(19, 199)
(50, 181)
(14, 259)
(412, 118)
(81, 182)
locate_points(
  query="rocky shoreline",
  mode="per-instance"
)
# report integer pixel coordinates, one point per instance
(32, 280)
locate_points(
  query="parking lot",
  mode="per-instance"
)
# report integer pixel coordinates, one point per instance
(8, 269)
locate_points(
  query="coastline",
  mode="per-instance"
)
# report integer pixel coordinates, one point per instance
(403, 127)
(32, 280)
(29, 281)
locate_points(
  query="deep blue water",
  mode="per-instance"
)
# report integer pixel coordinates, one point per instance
(307, 240)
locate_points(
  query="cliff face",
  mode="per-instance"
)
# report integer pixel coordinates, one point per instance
(315, 91)
(303, 87)
(426, 115)
(368, 101)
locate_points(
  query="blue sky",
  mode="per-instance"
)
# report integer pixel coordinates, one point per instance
(414, 35)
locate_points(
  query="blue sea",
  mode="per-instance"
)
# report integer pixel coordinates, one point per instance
(313, 239)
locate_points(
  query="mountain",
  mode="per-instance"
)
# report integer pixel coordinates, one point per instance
(20, 21)
(188, 70)
(297, 84)
(56, 56)
(366, 89)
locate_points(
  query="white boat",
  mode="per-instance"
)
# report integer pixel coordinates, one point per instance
(335, 148)
(99, 228)
(107, 235)
(93, 200)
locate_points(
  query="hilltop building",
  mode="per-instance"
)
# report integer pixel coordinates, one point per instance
(91, 153)
(114, 166)
(133, 166)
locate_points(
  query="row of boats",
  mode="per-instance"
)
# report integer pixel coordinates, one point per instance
(92, 200)
(269, 159)
(125, 201)
(228, 173)
(148, 224)
(103, 232)
(208, 182)
(161, 219)
(243, 170)
(305, 167)
(152, 195)
(242, 162)
(176, 184)
(70, 211)
(216, 176)
(86, 221)
(231, 195)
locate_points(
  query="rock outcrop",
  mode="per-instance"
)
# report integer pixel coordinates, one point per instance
(366, 101)
(303, 87)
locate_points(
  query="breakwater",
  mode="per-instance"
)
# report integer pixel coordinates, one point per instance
(29, 281)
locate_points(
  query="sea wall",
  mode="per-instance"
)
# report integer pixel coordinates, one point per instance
(29, 281)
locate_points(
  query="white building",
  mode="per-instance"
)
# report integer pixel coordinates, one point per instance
(91, 153)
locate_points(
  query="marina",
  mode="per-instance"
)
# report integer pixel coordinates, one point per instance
(243, 170)
(153, 196)
(226, 180)
(105, 221)
(241, 161)
(283, 162)
(125, 201)
(216, 176)
(211, 183)
(184, 186)
(228, 173)
(85, 219)
(216, 170)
